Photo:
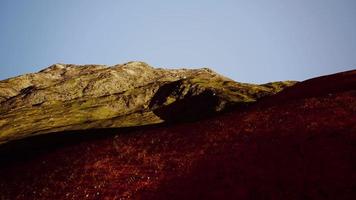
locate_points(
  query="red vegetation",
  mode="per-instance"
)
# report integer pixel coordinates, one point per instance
(299, 144)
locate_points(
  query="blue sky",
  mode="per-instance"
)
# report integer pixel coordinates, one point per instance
(247, 40)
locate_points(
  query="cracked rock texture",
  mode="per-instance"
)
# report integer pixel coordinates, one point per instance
(65, 97)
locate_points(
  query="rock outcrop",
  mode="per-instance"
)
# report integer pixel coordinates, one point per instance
(66, 97)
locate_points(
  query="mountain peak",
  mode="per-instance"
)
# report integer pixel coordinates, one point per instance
(136, 64)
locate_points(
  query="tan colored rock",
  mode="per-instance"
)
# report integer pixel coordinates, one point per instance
(67, 97)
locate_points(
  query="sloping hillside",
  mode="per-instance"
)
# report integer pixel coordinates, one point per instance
(297, 144)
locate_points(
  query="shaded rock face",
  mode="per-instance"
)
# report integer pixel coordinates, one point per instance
(78, 97)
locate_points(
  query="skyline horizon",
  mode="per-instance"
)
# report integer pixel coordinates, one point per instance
(168, 68)
(247, 41)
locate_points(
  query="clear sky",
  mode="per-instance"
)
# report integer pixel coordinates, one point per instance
(247, 40)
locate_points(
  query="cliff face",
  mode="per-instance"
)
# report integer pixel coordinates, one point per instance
(78, 97)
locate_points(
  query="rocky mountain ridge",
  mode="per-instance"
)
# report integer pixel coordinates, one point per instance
(66, 97)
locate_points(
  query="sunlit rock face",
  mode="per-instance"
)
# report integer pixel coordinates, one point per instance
(66, 97)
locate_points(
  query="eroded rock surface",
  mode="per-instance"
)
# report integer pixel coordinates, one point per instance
(66, 97)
